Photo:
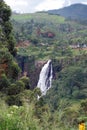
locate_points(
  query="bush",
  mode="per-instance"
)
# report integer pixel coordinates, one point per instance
(4, 83)
(26, 81)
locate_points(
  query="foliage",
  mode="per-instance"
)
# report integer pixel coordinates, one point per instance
(8, 67)
(19, 118)
(67, 34)
(70, 82)
(13, 70)
(4, 83)
(25, 80)
(5, 23)
(25, 117)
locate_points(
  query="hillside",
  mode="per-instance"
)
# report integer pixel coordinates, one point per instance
(46, 36)
(38, 17)
(75, 11)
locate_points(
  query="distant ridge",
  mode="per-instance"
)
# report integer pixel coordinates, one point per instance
(75, 11)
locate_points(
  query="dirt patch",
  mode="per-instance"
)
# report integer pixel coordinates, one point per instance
(23, 44)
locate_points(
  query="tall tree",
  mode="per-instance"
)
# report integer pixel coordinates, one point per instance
(6, 27)
(8, 67)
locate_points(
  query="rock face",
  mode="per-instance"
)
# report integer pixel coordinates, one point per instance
(30, 68)
(45, 78)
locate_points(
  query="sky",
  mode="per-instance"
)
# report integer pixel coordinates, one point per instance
(31, 6)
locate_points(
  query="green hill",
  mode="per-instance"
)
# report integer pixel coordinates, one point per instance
(38, 17)
(75, 11)
(47, 35)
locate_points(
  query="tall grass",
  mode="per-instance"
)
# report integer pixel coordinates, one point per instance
(17, 118)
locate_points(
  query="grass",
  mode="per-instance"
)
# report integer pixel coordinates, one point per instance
(78, 52)
(38, 17)
(18, 118)
(21, 17)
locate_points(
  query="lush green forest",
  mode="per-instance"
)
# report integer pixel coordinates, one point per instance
(48, 36)
(41, 36)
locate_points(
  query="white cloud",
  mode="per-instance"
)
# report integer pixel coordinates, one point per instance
(50, 4)
(84, 3)
(19, 6)
(67, 3)
(39, 5)
(9, 2)
(16, 3)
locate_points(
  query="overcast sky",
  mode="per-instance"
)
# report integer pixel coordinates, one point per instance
(30, 6)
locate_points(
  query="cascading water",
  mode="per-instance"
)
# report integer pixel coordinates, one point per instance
(45, 77)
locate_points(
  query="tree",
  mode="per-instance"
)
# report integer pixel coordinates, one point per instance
(4, 83)
(5, 13)
(26, 82)
(9, 69)
(13, 70)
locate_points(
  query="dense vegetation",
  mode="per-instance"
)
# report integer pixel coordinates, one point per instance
(41, 36)
(46, 36)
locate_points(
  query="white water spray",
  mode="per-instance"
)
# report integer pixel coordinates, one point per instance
(45, 78)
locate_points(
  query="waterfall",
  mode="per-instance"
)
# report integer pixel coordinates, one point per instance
(45, 77)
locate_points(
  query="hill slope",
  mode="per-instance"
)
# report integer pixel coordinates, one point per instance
(75, 11)
(37, 29)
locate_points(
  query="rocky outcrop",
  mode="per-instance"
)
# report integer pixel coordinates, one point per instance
(30, 67)
(48, 34)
